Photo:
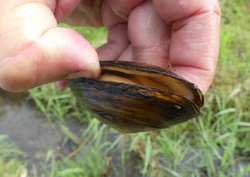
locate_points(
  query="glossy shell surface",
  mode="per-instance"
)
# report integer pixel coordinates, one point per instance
(134, 97)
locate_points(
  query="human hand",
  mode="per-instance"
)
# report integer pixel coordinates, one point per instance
(184, 33)
(34, 51)
(136, 33)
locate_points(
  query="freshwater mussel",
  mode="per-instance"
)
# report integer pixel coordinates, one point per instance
(135, 97)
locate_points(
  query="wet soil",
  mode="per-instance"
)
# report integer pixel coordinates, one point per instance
(29, 129)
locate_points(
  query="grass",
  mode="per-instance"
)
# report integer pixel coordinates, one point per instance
(10, 163)
(215, 144)
(93, 150)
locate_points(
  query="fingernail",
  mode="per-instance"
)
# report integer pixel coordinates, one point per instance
(80, 74)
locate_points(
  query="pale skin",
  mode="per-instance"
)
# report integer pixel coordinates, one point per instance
(34, 51)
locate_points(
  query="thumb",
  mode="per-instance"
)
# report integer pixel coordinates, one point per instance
(59, 54)
(66, 55)
(33, 53)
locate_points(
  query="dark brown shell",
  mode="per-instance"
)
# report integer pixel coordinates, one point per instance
(135, 107)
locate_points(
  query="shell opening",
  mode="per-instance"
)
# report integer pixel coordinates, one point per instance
(148, 79)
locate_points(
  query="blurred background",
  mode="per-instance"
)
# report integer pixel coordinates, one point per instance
(45, 132)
